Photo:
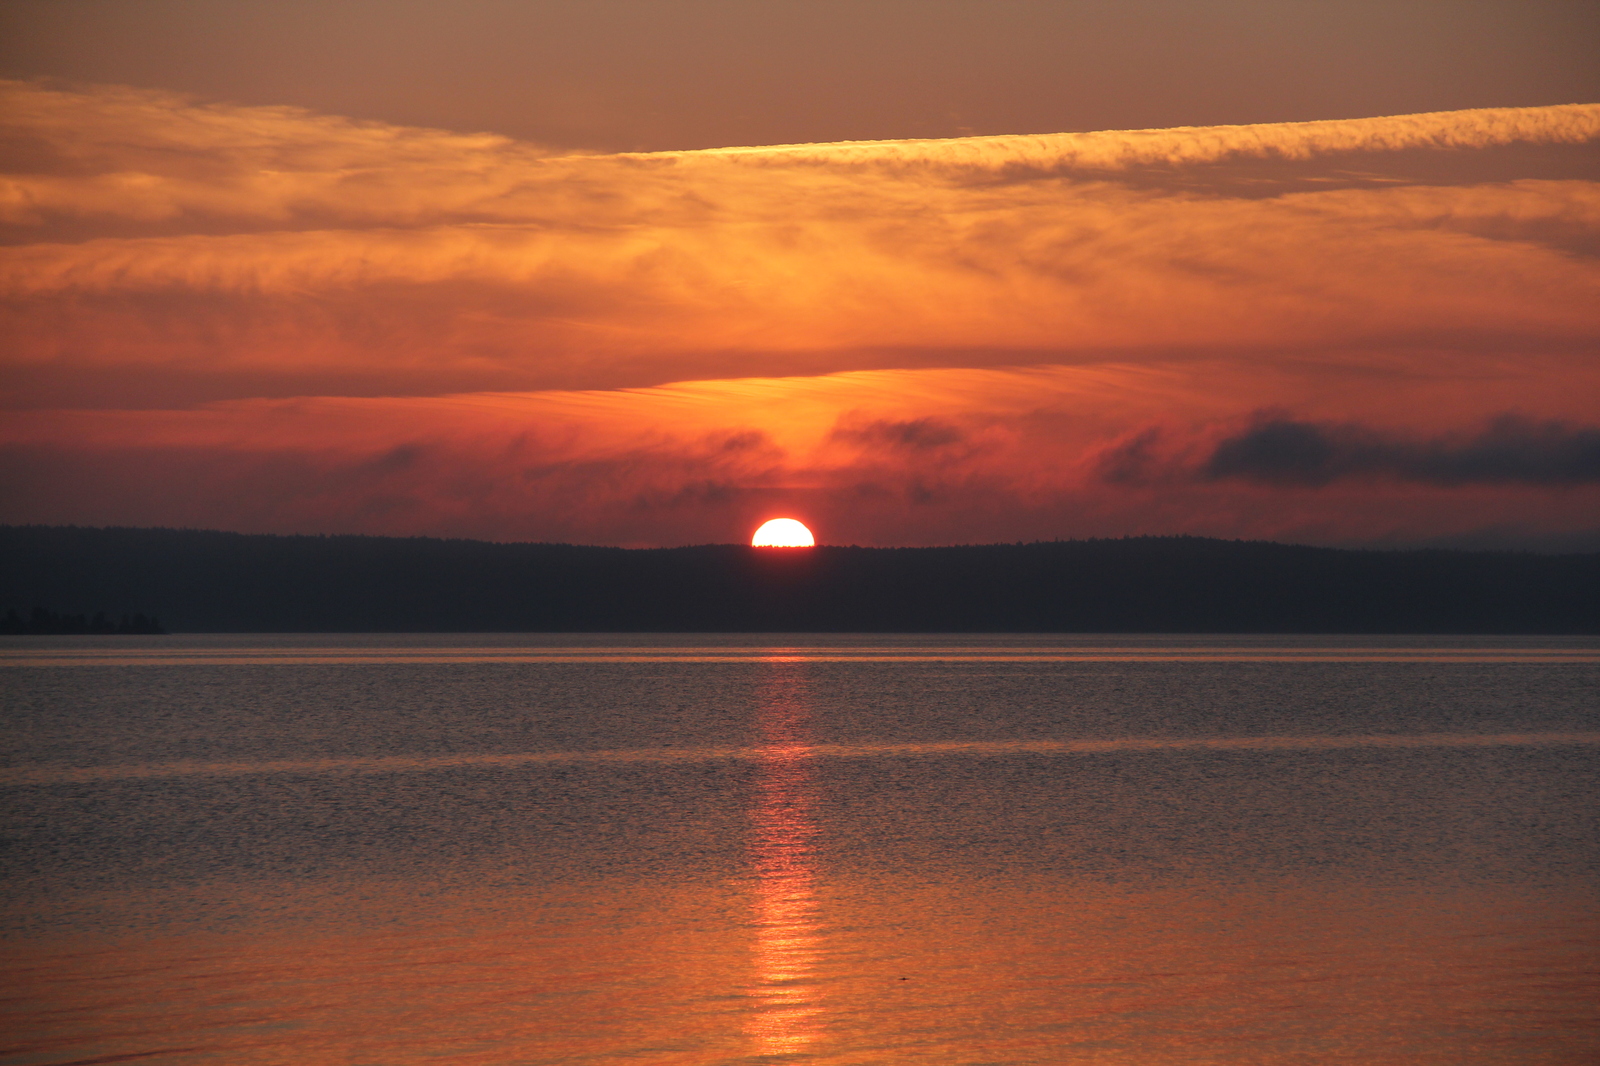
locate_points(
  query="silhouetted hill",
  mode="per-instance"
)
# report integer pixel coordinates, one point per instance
(199, 581)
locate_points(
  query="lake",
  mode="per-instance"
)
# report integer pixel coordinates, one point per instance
(698, 849)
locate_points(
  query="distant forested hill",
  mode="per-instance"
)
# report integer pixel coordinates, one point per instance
(199, 581)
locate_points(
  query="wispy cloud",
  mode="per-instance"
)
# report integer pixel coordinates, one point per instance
(921, 340)
(245, 243)
(1117, 149)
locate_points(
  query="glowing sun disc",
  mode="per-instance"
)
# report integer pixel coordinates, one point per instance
(782, 533)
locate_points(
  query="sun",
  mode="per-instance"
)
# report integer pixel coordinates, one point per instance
(782, 533)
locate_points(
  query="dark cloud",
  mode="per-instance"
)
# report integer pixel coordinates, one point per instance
(1133, 461)
(1509, 450)
(745, 440)
(399, 458)
(919, 434)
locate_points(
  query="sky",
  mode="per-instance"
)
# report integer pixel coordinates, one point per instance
(650, 273)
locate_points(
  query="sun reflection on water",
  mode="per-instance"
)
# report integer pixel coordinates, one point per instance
(787, 927)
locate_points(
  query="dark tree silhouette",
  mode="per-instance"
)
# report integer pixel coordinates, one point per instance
(42, 622)
(228, 582)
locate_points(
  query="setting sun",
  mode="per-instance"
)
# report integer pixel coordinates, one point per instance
(783, 533)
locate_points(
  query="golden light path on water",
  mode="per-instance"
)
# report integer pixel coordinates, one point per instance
(787, 934)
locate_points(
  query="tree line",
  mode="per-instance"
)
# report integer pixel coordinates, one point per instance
(207, 581)
(42, 622)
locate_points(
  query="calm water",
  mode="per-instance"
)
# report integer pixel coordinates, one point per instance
(710, 849)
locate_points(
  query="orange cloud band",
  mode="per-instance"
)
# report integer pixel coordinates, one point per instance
(921, 341)
(870, 457)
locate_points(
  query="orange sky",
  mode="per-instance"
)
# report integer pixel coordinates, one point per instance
(658, 75)
(1367, 331)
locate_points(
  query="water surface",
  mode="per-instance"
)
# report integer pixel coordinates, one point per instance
(740, 849)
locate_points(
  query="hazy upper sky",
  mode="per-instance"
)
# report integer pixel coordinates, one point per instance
(651, 75)
(462, 269)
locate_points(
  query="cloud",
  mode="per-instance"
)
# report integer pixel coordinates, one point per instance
(883, 457)
(150, 156)
(1510, 449)
(264, 318)
(892, 276)
(917, 435)
(1281, 451)
(1119, 149)
(212, 251)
